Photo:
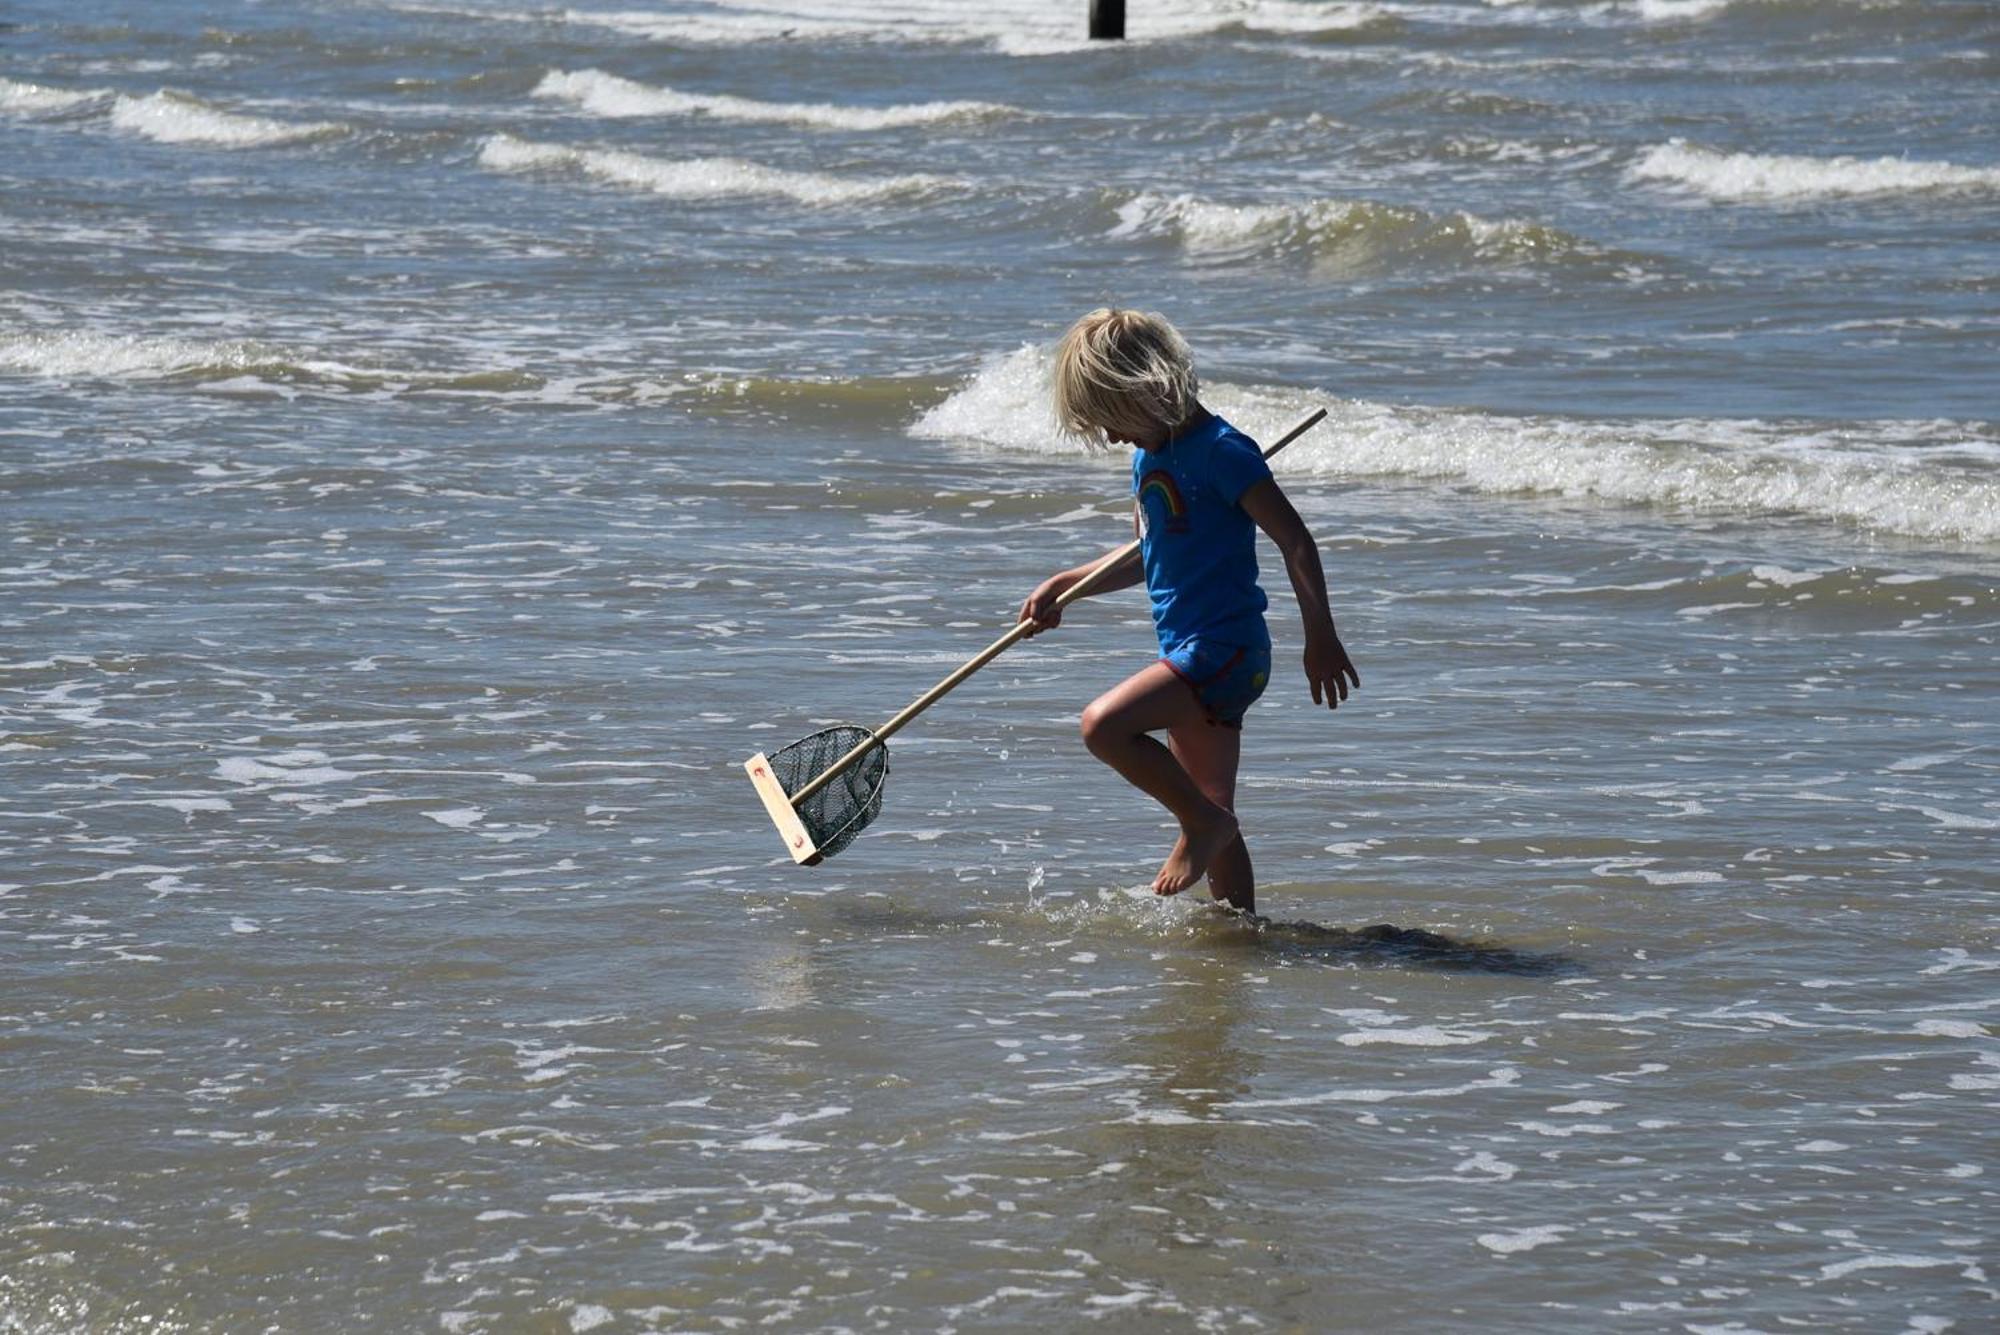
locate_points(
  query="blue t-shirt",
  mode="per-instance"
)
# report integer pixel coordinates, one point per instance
(1196, 542)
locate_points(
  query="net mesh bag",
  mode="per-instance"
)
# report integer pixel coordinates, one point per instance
(842, 809)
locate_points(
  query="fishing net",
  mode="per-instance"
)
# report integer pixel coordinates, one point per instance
(842, 809)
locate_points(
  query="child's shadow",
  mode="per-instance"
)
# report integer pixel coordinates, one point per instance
(1400, 947)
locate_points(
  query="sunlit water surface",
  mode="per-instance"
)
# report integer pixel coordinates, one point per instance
(440, 442)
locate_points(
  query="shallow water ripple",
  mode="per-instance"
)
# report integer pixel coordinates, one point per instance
(440, 440)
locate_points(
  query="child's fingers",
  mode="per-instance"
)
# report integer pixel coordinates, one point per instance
(1043, 618)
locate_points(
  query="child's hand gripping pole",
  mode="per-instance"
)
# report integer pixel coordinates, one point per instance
(782, 805)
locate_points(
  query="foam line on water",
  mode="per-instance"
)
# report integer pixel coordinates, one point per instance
(176, 118)
(1678, 11)
(1922, 479)
(21, 98)
(701, 178)
(608, 95)
(1012, 27)
(1352, 231)
(1645, 12)
(80, 354)
(1735, 178)
(85, 354)
(1822, 12)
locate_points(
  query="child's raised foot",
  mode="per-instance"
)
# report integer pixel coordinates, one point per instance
(1193, 851)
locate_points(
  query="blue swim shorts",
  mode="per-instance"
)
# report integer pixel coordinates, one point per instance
(1227, 678)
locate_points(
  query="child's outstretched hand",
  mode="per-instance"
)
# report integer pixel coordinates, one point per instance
(1329, 671)
(1040, 606)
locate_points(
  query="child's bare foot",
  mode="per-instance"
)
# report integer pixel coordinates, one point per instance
(1175, 858)
(1193, 851)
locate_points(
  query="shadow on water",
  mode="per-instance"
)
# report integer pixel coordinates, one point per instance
(1382, 945)
(1400, 947)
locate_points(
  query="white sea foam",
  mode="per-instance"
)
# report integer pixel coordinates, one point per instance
(1203, 224)
(1013, 27)
(1679, 11)
(21, 98)
(1566, 13)
(1522, 1239)
(1420, 1036)
(289, 769)
(1500, 1077)
(1780, 178)
(77, 355)
(607, 95)
(1355, 232)
(188, 806)
(1875, 474)
(175, 118)
(1678, 877)
(701, 178)
(1701, 11)
(225, 364)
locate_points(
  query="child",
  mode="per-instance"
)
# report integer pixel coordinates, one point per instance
(1198, 486)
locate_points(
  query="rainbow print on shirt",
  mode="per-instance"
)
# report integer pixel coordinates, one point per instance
(1157, 488)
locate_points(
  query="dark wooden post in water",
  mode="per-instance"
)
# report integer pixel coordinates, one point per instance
(1107, 19)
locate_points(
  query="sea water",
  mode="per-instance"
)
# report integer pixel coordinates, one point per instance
(440, 441)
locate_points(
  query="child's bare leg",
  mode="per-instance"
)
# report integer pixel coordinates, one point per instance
(1115, 728)
(1209, 753)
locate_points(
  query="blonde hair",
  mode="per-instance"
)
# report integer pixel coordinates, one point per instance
(1125, 371)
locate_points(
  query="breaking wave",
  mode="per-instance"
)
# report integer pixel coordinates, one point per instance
(1780, 178)
(701, 178)
(1350, 235)
(20, 98)
(607, 95)
(176, 118)
(1687, 12)
(1678, 11)
(78, 355)
(167, 116)
(1012, 27)
(1933, 480)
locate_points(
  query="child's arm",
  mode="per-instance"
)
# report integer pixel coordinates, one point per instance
(1328, 669)
(1040, 606)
